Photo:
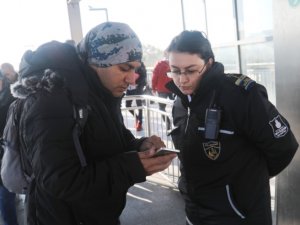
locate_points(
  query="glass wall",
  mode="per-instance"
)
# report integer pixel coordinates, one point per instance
(221, 21)
(241, 33)
(194, 15)
(228, 56)
(257, 62)
(255, 18)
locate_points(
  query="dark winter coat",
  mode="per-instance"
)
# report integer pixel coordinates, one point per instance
(227, 178)
(64, 193)
(6, 99)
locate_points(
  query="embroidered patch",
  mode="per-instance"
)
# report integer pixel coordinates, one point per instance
(279, 128)
(212, 149)
(242, 81)
(245, 82)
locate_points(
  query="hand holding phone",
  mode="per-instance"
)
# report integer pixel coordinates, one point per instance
(164, 151)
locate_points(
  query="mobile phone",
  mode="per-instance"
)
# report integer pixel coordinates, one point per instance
(164, 151)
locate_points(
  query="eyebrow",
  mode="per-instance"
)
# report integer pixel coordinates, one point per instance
(130, 66)
(188, 67)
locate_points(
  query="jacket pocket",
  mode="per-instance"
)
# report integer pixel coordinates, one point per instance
(217, 201)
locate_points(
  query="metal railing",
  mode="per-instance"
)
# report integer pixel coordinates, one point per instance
(155, 122)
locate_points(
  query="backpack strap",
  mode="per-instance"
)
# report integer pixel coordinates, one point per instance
(80, 116)
(26, 164)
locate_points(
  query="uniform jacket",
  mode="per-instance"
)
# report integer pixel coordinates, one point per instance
(228, 177)
(160, 78)
(63, 192)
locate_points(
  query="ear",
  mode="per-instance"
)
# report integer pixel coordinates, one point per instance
(209, 63)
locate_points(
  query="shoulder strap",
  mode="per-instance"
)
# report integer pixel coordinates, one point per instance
(26, 165)
(80, 116)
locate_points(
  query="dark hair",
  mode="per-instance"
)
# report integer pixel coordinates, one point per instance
(192, 42)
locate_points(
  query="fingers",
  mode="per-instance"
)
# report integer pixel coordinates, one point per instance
(156, 141)
(150, 142)
(157, 164)
(147, 154)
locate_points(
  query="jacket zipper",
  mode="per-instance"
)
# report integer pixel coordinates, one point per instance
(232, 204)
(188, 118)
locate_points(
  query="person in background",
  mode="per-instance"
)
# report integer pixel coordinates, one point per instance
(159, 80)
(7, 199)
(137, 89)
(231, 138)
(63, 192)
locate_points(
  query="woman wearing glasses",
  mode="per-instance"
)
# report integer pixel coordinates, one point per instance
(232, 140)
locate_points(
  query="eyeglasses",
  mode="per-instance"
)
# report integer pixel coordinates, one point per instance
(189, 73)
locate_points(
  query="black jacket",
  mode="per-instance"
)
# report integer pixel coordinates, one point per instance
(228, 177)
(6, 99)
(63, 192)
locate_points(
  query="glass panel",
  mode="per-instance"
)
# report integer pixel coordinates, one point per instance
(258, 63)
(255, 18)
(228, 56)
(194, 14)
(220, 21)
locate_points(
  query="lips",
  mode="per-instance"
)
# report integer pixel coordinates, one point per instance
(184, 88)
(123, 89)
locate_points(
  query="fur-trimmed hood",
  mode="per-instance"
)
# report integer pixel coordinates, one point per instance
(47, 80)
(52, 65)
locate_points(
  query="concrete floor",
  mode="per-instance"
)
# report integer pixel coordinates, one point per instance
(154, 202)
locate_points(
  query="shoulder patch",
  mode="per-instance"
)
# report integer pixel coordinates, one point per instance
(241, 80)
(279, 128)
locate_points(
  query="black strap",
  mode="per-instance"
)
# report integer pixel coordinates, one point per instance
(80, 117)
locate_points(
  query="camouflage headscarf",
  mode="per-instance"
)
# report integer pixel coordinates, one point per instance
(110, 43)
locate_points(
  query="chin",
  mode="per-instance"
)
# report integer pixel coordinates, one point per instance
(118, 94)
(186, 92)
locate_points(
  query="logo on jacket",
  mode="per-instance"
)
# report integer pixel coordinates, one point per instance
(212, 149)
(279, 128)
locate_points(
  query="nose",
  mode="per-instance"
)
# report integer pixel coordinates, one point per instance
(130, 77)
(182, 78)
